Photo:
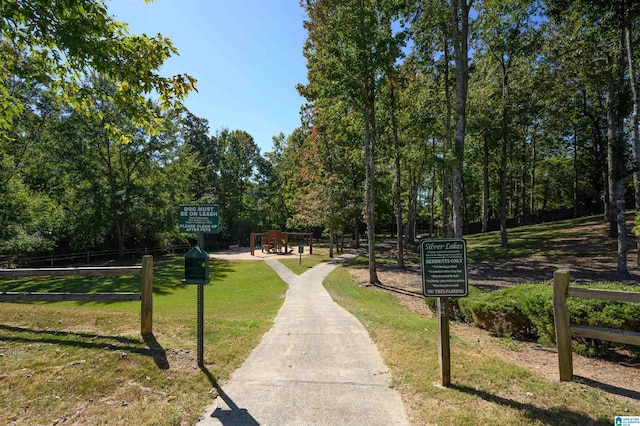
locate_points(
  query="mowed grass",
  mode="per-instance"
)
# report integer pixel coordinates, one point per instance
(526, 240)
(86, 363)
(484, 391)
(300, 266)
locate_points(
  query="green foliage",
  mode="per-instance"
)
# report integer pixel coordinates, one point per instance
(526, 311)
(86, 160)
(236, 162)
(66, 43)
(455, 311)
(636, 225)
(29, 221)
(500, 311)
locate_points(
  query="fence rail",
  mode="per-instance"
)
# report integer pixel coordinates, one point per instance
(144, 296)
(564, 328)
(61, 272)
(86, 256)
(92, 256)
(16, 296)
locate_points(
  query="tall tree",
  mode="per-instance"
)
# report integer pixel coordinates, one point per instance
(460, 26)
(238, 159)
(349, 45)
(507, 39)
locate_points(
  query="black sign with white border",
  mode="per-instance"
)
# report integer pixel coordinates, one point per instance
(444, 267)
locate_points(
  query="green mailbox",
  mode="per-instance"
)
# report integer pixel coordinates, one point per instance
(196, 266)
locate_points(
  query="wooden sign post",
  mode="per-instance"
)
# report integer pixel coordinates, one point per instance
(444, 275)
(444, 349)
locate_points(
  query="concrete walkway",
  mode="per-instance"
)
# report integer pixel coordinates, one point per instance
(316, 366)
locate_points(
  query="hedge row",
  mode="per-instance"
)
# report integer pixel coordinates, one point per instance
(525, 311)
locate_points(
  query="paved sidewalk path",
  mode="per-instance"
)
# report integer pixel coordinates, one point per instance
(316, 366)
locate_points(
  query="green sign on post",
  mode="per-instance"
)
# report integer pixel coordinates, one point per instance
(444, 274)
(198, 219)
(444, 268)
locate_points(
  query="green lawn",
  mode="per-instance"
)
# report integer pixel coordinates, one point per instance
(87, 363)
(300, 266)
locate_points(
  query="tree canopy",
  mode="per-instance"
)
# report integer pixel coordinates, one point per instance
(61, 43)
(440, 117)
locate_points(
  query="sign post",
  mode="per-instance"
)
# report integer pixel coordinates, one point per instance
(444, 275)
(300, 251)
(199, 219)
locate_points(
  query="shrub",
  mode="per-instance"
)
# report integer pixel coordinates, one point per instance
(525, 311)
(455, 313)
(500, 312)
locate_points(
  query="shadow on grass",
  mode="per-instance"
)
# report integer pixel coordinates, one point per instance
(542, 239)
(157, 351)
(234, 416)
(627, 393)
(167, 277)
(551, 416)
(90, 341)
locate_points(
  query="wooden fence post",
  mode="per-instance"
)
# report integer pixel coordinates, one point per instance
(562, 324)
(146, 295)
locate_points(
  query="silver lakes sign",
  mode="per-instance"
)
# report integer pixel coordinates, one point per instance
(444, 267)
(195, 219)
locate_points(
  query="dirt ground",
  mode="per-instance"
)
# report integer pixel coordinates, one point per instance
(244, 253)
(620, 379)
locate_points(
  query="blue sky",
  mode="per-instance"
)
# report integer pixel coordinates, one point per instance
(245, 54)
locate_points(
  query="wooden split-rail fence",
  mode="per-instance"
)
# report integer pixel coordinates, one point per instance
(564, 328)
(145, 296)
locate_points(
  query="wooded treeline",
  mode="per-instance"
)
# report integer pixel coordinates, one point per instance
(442, 112)
(470, 110)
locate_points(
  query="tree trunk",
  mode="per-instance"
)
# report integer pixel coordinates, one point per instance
(331, 238)
(116, 206)
(445, 201)
(410, 232)
(369, 158)
(635, 132)
(398, 194)
(503, 159)
(533, 173)
(485, 186)
(575, 174)
(447, 146)
(460, 26)
(635, 137)
(615, 136)
(121, 233)
(433, 193)
(599, 149)
(503, 195)
(524, 205)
